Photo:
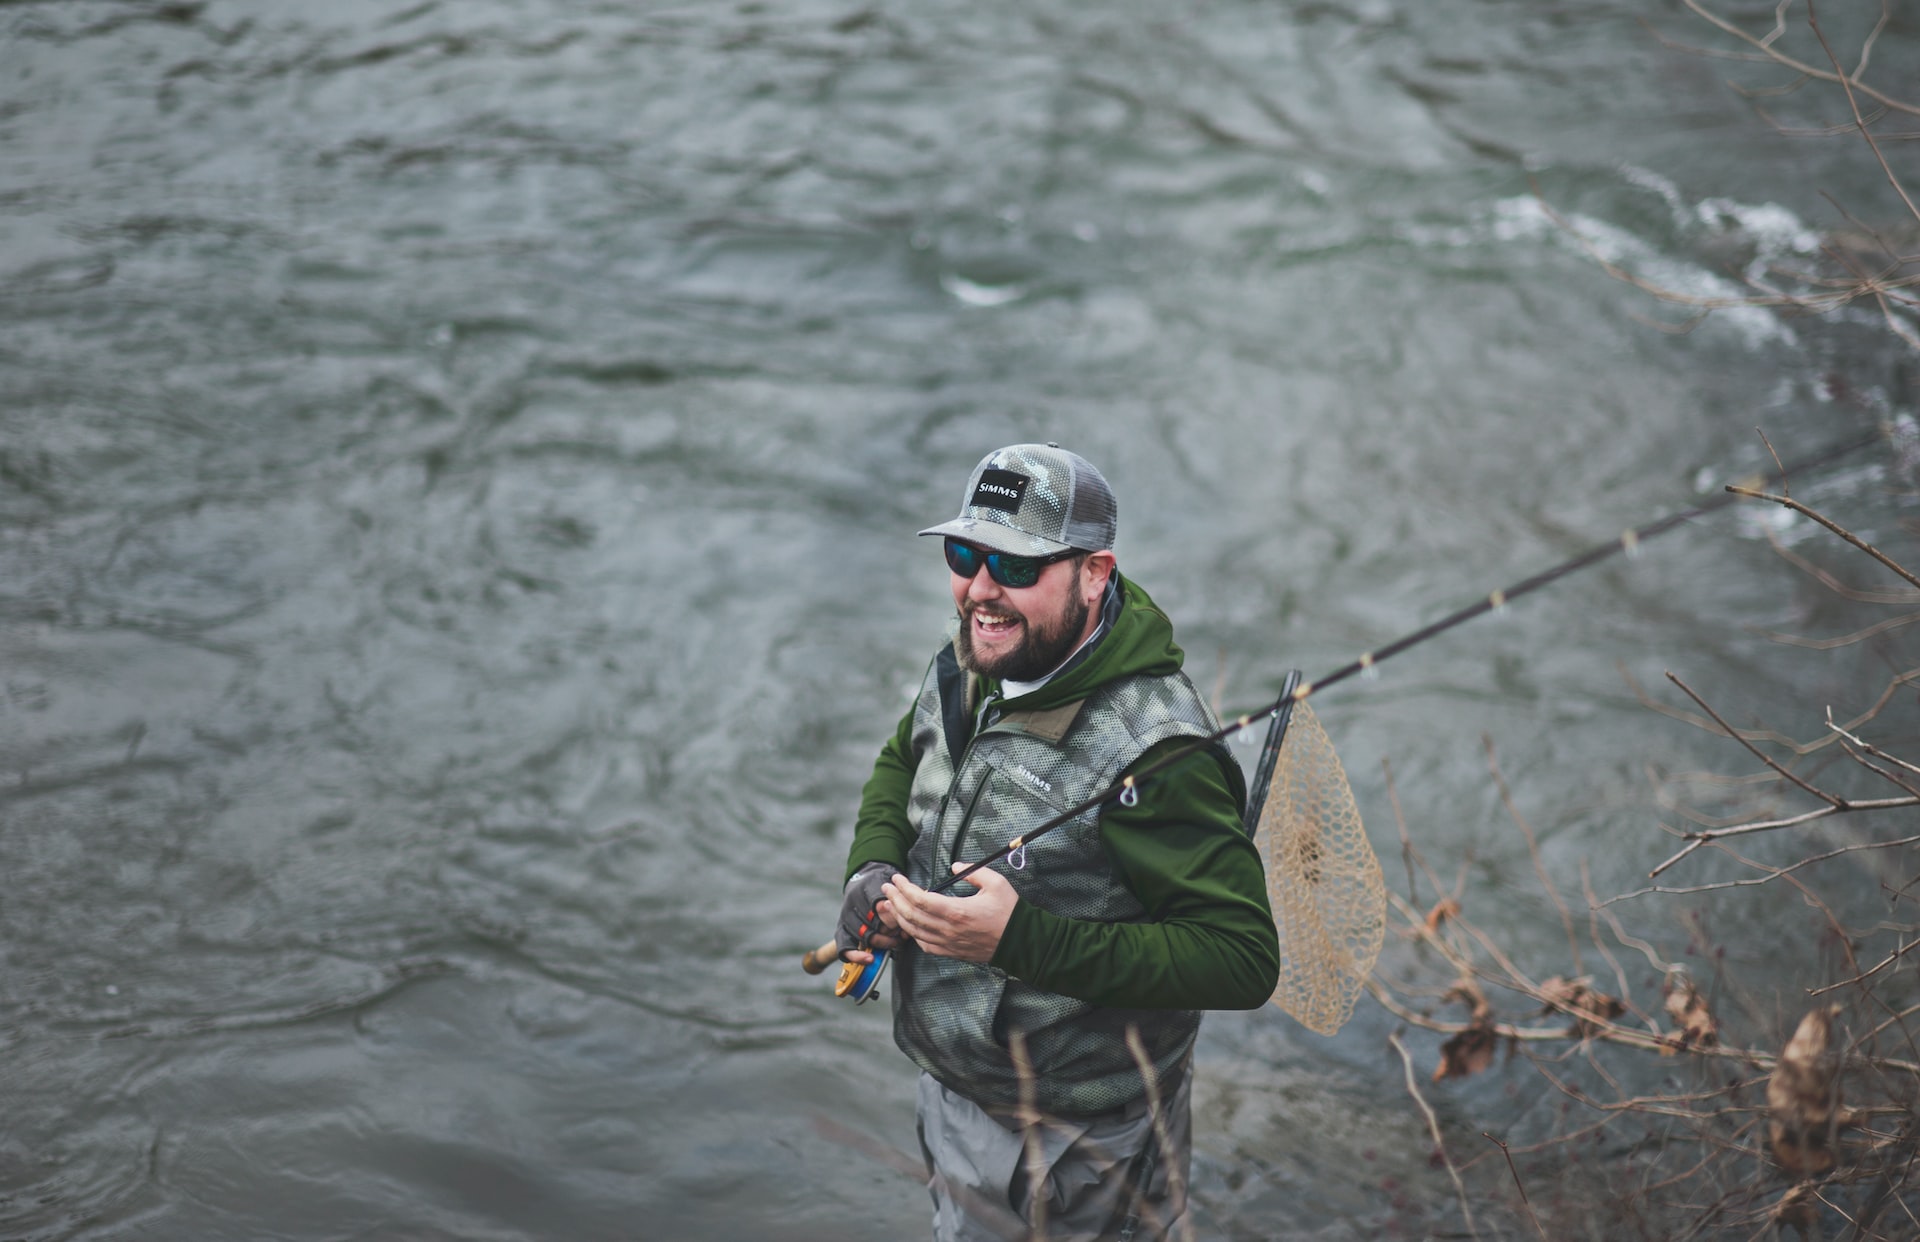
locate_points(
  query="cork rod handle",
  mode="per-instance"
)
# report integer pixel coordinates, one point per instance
(819, 959)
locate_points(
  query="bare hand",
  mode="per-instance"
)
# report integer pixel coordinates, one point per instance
(968, 928)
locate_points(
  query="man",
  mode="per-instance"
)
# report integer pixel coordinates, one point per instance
(1036, 989)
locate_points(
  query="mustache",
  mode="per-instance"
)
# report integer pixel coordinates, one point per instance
(969, 607)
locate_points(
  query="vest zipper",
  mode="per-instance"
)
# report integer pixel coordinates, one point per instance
(960, 833)
(980, 727)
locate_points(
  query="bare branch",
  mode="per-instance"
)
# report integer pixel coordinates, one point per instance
(1785, 490)
(1176, 1191)
(1408, 855)
(1847, 82)
(1846, 640)
(1697, 839)
(1533, 847)
(1838, 803)
(1835, 585)
(1517, 1184)
(1433, 1127)
(1869, 747)
(1879, 771)
(1868, 973)
(1771, 873)
(1768, 735)
(1830, 524)
(1800, 67)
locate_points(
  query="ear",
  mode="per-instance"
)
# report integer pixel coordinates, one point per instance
(1095, 572)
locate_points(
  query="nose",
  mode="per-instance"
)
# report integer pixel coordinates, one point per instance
(982, 587)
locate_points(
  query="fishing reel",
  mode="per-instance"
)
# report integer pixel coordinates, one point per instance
(860, 980)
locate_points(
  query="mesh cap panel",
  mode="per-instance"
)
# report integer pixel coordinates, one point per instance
(1035, 500)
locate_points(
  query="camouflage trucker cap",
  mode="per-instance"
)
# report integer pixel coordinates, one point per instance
(1035, 500)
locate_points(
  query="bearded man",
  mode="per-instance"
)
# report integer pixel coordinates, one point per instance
(1031, 996)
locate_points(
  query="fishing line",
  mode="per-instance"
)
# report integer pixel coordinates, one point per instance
(1127, 789)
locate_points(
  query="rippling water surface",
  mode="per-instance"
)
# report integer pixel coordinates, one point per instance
(457, 473)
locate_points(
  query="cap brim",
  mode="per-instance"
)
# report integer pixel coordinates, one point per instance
(997, 538)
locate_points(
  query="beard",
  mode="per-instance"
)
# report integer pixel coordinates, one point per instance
(1041, 649)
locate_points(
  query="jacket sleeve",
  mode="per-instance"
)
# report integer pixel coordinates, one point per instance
(1210, 942)
(881, 831)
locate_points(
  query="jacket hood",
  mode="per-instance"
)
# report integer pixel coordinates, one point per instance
(1140, 642)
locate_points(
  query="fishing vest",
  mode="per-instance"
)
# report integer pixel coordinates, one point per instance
(969, 798)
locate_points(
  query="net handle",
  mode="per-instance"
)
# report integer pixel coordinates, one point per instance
(1270, 752)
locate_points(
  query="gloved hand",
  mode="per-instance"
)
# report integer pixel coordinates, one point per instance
(857, 916)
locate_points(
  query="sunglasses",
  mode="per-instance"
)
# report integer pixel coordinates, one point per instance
(1003, 567)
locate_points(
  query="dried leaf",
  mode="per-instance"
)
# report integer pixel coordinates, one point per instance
(1448, 908)
(1467, 1053)
(1688, 1009)
(1802, 1097)
(1578, 997)
(1796, 1208)
(1466, 991)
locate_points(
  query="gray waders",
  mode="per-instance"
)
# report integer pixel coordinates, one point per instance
(1103, 1178)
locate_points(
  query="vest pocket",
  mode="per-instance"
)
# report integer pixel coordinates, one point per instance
(1053, 785)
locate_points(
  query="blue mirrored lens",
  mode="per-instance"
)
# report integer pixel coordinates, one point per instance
(962, 559)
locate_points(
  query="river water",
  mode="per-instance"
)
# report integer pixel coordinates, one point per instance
(458, 466)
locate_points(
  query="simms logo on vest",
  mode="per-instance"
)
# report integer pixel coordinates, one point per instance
(999, 489)
(1032, 779)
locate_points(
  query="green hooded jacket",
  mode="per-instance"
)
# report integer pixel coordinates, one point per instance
(1181, 849)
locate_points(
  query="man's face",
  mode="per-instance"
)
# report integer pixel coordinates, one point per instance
(1022, 633)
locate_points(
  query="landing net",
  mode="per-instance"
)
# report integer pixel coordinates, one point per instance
(1329, 898)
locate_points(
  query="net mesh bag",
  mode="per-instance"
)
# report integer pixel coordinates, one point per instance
(1329, 897)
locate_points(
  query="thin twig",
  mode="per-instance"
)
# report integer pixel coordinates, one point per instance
(1408, 855)
(1646, 950)
(1600, 947)
(1030, 1119)
(1869, 747)
(1772, 873)
(1831, 525)
(1768, 735)
(1845, 640)
(1827, 580)
(1533, 847)
(1784, 489)
(1869, 972)
(1796, 65)
(1176, 1189)
(1433, 1127)
(1847, 84)
(1517, 1184)
(1879, 771)
(1835, 800)
(1697, 839)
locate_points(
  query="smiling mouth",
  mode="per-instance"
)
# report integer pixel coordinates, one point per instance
(993, 624)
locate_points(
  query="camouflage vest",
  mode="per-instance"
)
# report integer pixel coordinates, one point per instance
(969, 799)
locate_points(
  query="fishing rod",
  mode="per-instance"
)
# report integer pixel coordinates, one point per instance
(860, 981)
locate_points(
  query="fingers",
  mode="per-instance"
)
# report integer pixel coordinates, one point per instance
(965, 927)
(908, 905)
(904, 906)
(986, 879)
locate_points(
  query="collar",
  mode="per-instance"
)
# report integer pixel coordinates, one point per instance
(1109, 613)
